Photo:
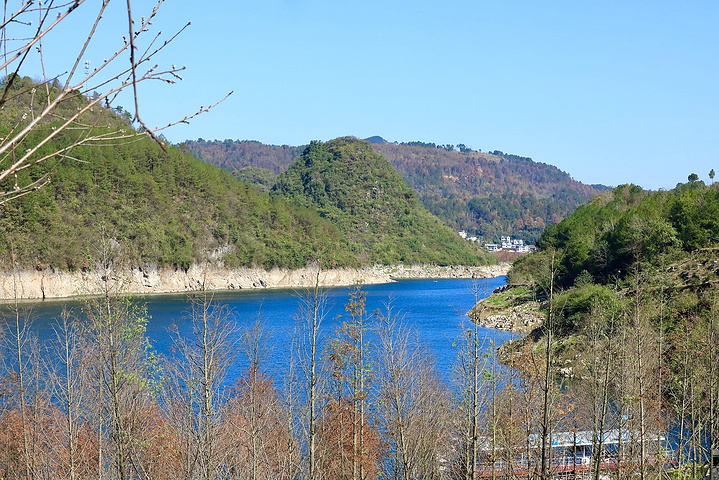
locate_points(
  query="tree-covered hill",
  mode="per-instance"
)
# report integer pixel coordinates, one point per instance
(234, 155)
(630, 228)
(358, 191)
(628, 288)
(487, 194)
(627, 256)
(163, 207)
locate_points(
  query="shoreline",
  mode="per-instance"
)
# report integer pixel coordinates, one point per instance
(49, 284)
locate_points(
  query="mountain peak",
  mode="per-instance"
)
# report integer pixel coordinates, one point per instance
(357, 189)
(377, 140)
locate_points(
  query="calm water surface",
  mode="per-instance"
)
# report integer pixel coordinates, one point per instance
(435, 309)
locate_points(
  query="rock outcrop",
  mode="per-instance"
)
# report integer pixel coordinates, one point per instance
(521, 319)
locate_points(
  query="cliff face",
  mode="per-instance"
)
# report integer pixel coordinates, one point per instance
(48, 283)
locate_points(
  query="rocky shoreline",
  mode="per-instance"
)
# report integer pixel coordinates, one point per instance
(40, 284)
(508, 309)
(518, 319)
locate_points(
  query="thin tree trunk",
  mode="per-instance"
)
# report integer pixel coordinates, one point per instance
(546, 431)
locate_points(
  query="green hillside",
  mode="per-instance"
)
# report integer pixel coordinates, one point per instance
(160, 207)
(170, 209)
(629, 228)
(381, 217)
(627, 289)
(486, 194)
(163, 207)
(627, 257)
(234, 155)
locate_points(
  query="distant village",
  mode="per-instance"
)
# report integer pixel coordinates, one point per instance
(507, 244)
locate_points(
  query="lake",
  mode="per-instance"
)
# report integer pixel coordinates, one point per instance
(435, 309)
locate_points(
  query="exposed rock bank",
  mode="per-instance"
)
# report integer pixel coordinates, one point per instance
(510, 308)
(519, 319)
(398, 272)
(149, 279)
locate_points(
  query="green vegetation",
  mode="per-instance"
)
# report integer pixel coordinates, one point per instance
(630, 283)
(509, 297)
(262, 178)
(572, 307)
(164, 208)
(622, 239)
(169, 209)
(486, 194)
(381, 217)
(629, 229)
(233, 155)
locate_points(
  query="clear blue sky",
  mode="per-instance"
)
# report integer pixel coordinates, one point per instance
(610, 92)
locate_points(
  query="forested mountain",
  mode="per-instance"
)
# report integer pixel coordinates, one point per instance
(359, 192)
(629, 242)
(630, 229)
(234, 155)
(169, 209)
(164, 208)
(487, 194)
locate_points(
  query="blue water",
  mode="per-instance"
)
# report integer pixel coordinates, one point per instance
(435, 309)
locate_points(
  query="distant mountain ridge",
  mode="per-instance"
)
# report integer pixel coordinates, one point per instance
(486, 194)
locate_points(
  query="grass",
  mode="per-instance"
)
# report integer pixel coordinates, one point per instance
(510, 297)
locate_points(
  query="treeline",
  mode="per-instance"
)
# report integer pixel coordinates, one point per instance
(233, 155)
(631, 227)
(97, 402)
(171, 210)
(517, 195)
(166, 208)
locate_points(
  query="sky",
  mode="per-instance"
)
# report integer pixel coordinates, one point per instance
(610, 92)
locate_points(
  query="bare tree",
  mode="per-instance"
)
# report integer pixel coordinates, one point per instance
(259, 444)
(122, 368)
(312, 312)
(195, 395)
(548, 327)
(71, 392)
(352, 445)
(712, 379)
(474, 372)
(599, 368)
(394, 383)
(639, 407)
(25, 372)
(413, 402)
(69, 102)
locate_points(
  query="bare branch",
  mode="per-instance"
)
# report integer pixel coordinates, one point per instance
(187, 119)
(12, 195)
(47, 116)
